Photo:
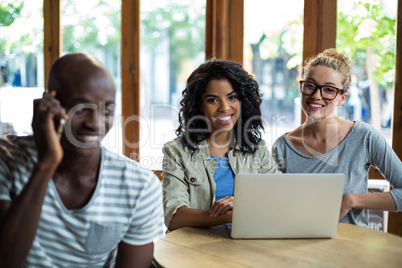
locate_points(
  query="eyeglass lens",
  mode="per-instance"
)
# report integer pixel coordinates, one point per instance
(326, 92)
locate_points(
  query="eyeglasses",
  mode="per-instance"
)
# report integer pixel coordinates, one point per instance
(327, 92)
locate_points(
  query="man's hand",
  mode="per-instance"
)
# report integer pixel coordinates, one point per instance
(221, 206)
(47, 139)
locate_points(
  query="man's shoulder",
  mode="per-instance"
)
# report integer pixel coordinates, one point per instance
(114, 163)
(17, 158)
(17, 141)
(16, 147)
(117, 161)
(110, 155)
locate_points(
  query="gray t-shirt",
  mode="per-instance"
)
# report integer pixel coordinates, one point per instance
(363, 147)
(126, 206)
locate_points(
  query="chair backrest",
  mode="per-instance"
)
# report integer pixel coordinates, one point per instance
(159, 174)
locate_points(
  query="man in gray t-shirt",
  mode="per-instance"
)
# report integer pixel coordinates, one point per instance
(64, 199)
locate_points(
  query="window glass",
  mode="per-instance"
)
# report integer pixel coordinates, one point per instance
(366, 32)
(93, 26)
(172, 46)
(273, 41)
(21, 58)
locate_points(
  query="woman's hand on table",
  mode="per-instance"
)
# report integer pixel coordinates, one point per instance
(221, 206)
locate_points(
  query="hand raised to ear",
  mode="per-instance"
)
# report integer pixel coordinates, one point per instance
(47, 140)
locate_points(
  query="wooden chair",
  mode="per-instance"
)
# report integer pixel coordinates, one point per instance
(158, 173)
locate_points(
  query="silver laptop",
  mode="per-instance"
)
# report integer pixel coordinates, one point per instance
(288, 205)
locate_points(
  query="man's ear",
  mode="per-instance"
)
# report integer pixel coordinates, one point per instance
(343, 99)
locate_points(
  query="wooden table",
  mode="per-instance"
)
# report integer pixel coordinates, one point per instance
(353, 246)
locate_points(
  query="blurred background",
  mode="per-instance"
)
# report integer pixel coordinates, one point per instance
(173, 45)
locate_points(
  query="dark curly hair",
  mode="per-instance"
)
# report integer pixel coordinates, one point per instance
(247, 130)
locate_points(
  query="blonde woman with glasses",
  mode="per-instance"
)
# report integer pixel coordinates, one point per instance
(326, 143)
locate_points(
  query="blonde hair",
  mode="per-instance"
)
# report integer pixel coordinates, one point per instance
(335, 60)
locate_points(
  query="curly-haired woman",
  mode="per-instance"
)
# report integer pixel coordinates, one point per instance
(326, 143)
(219, 136)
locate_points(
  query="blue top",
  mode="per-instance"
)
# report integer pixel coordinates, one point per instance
(224, 178)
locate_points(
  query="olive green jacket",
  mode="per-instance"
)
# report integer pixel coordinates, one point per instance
(188, 180)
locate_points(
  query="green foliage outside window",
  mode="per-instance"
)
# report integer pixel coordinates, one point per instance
(9, 11)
